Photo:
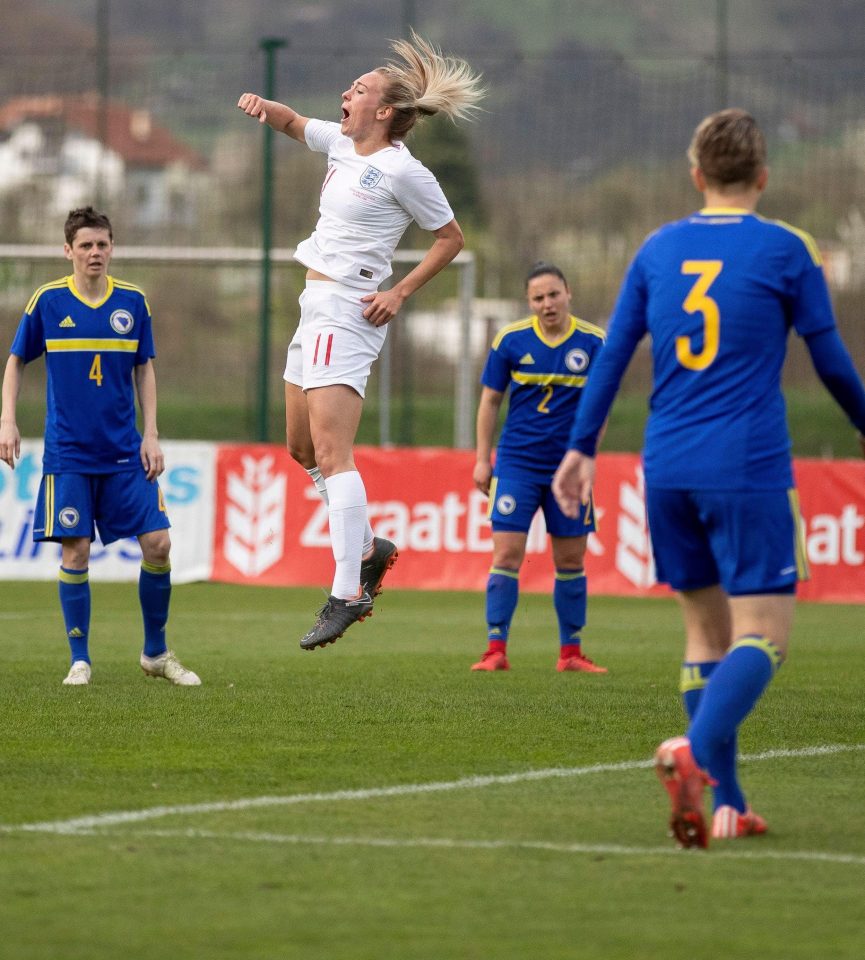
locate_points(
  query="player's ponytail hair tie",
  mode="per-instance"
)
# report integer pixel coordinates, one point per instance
(426, 82)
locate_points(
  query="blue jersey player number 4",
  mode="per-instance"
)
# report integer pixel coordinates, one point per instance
(99, 473)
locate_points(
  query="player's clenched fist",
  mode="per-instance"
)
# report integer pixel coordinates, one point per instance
(253, 106)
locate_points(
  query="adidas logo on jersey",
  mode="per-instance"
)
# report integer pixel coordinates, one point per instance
(68, 322)
(527, 358)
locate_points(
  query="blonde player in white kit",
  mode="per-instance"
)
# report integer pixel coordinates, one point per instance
(372, 191)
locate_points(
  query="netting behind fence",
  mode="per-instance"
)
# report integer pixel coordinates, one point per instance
(578, 155)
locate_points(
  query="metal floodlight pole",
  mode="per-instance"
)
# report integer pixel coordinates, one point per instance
(269, 45)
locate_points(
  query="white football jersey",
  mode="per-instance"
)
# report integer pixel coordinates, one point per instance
(366, 205)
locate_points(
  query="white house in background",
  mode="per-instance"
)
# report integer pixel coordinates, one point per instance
(441, 331)
(51, 146)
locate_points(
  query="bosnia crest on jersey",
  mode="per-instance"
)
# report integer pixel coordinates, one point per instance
(121, 321)
(370, 178)
(576, 360)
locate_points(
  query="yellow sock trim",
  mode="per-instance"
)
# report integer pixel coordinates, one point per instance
(776, 658)
(691, 679)
(154, 568)
(66, 577)
(513, 574)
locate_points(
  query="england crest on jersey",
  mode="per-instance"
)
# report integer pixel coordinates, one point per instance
(370, 178)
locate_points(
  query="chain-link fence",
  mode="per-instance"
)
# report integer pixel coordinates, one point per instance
(577, 155)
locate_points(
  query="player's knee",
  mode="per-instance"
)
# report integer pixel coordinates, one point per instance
(156, 547)
(300, 451)
(76, 553)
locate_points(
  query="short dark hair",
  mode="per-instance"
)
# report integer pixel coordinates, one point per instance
(541, 269)
(85, 217)
(728, 147)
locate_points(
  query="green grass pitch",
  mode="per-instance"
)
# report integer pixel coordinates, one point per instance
(376, 799)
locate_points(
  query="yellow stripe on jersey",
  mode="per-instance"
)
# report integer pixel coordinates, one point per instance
(803, 571)
(548, 379)
(54, 285)
(91, 345)
(49, 505)
(532, 322)
(123, 285)
(806, 238)
(592, 328)
(512, 328)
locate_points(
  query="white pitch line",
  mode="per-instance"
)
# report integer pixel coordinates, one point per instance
(448, 843)
(96, 821)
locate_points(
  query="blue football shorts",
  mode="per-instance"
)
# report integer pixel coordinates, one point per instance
(119, 505)
(513, 504)
(749, 542)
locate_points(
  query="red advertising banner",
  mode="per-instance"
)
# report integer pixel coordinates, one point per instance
(271, 525)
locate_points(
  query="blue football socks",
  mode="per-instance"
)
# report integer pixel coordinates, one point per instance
(732, 692)
(503, 591)
(569, 600)
(74, 587)
(722, 765)
(154, 592)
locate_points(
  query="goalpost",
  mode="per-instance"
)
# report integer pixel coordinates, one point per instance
(464, 263)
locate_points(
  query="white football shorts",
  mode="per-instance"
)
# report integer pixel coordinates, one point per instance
(333, 342)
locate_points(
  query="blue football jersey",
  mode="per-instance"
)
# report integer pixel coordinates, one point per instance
(718, 293)
(90, 352)
(546, 378)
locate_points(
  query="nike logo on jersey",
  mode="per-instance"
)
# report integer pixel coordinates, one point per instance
(527, 358)
(68, 322)
(786, 570)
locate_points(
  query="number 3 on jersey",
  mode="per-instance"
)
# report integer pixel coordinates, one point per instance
(96, 370)
(697, 301)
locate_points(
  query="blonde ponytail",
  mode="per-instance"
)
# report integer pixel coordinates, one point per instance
(426, 82)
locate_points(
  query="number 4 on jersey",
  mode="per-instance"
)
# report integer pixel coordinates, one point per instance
(697, 301)
(96, 370)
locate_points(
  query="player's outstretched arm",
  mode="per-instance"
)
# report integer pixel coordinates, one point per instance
(280, 116)
(10, 438)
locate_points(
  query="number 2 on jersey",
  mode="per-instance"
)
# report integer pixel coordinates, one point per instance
(544, 405)
(96, 370)
(697, 301)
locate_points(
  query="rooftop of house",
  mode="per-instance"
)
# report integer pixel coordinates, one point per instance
(130, 132)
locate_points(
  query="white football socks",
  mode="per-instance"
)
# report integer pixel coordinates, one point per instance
(321, 486)
(346, 500)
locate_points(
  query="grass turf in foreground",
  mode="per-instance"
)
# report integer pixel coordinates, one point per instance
(459, 873)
